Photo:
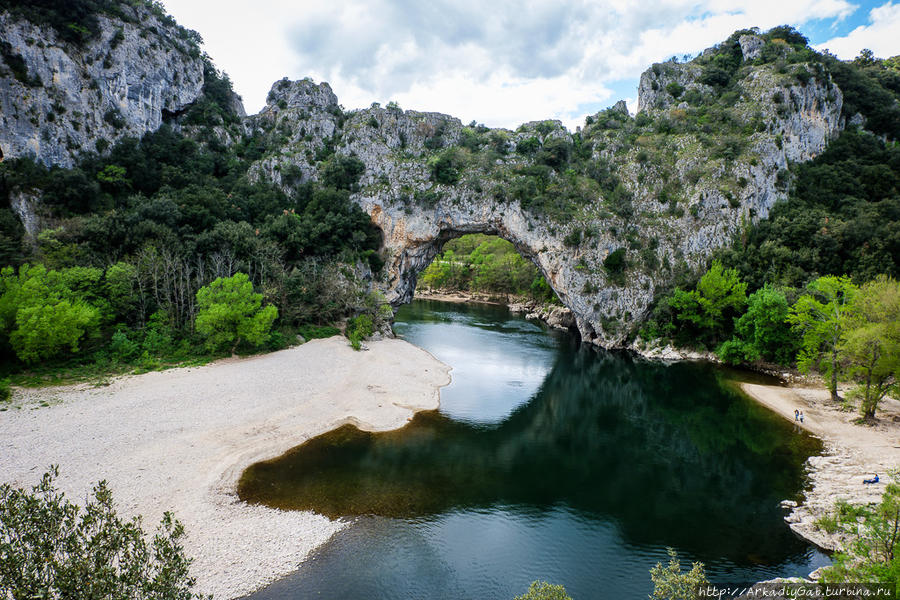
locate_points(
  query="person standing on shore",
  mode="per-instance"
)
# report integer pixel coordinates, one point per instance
(801, 416)
(796, 414)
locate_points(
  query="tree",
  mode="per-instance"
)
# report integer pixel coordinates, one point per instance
(711, 307)
(45, 330)
(52, 548)
(343, 172)
(614, 263)
(721, 292)
(874, 552)
(447, 166)
(41, 315)
(669, 583)
(870, 351)
(541, 590)
(821, 318)
(762, 331)
(230, 312)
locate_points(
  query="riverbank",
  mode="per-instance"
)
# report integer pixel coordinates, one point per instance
(852, 453)
(554, 315)
(178, 440)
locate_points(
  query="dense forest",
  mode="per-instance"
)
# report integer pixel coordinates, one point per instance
(138, 232)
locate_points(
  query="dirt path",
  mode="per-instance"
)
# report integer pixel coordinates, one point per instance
(853, 452)
(178, 440)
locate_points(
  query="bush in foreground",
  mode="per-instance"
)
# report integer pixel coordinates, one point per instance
(51, 548)
(358, 329)
(670, 583)
(541, 590)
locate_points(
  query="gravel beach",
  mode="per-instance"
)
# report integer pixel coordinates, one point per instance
(178, 440)
(853, 452)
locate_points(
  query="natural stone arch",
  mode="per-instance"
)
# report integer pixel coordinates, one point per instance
(413, 239)
(424, 183)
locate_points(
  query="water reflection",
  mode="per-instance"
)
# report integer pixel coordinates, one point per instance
(668, 452)
(587, 474)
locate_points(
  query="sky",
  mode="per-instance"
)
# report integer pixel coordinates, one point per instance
(500, 62)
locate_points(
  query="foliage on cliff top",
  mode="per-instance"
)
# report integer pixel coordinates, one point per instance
(75, 21)
(842, 218)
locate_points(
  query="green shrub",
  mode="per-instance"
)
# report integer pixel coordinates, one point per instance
(541, 590)
(121, 348)
(447, 166)
(114, 118)
(828, 522)
(230, 312)
(675, 88)
(615, 261)
(343, 172)
(555, 153)
(670, 583)
(528, 146)
(52, 548)
(573, 238)
(5, 391)
(358, 329)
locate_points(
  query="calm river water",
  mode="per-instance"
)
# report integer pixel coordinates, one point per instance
(547, 460)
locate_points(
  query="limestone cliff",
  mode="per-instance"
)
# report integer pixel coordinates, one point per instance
(610, 213)
(58, 100)
(682, 191)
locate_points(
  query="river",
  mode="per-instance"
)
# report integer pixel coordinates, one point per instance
(547, 460)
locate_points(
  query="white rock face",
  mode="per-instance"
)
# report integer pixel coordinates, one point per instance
(418, 215)
(120, 84)
(751, 46)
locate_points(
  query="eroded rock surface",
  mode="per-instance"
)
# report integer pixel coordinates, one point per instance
(68, 98)
(790, 120)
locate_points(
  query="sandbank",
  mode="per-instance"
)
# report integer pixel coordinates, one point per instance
(178, 440)
(853, 452)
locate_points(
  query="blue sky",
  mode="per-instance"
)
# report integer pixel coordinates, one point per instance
(501, 62)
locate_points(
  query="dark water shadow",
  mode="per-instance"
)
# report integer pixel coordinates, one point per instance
(667, 452)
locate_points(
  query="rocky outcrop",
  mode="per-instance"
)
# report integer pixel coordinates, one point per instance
(24, 205)
(557, 317)
(58, 100)
(664, 85)
(779, 119)
(751, 46)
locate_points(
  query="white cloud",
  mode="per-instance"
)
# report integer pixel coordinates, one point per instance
(880, 35)
(500, 62)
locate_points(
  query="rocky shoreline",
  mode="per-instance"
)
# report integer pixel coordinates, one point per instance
(852, 452)
(554, 315)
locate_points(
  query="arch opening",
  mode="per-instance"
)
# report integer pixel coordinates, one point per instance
(485, 266)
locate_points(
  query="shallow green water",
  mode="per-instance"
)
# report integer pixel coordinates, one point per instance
(547, 460)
